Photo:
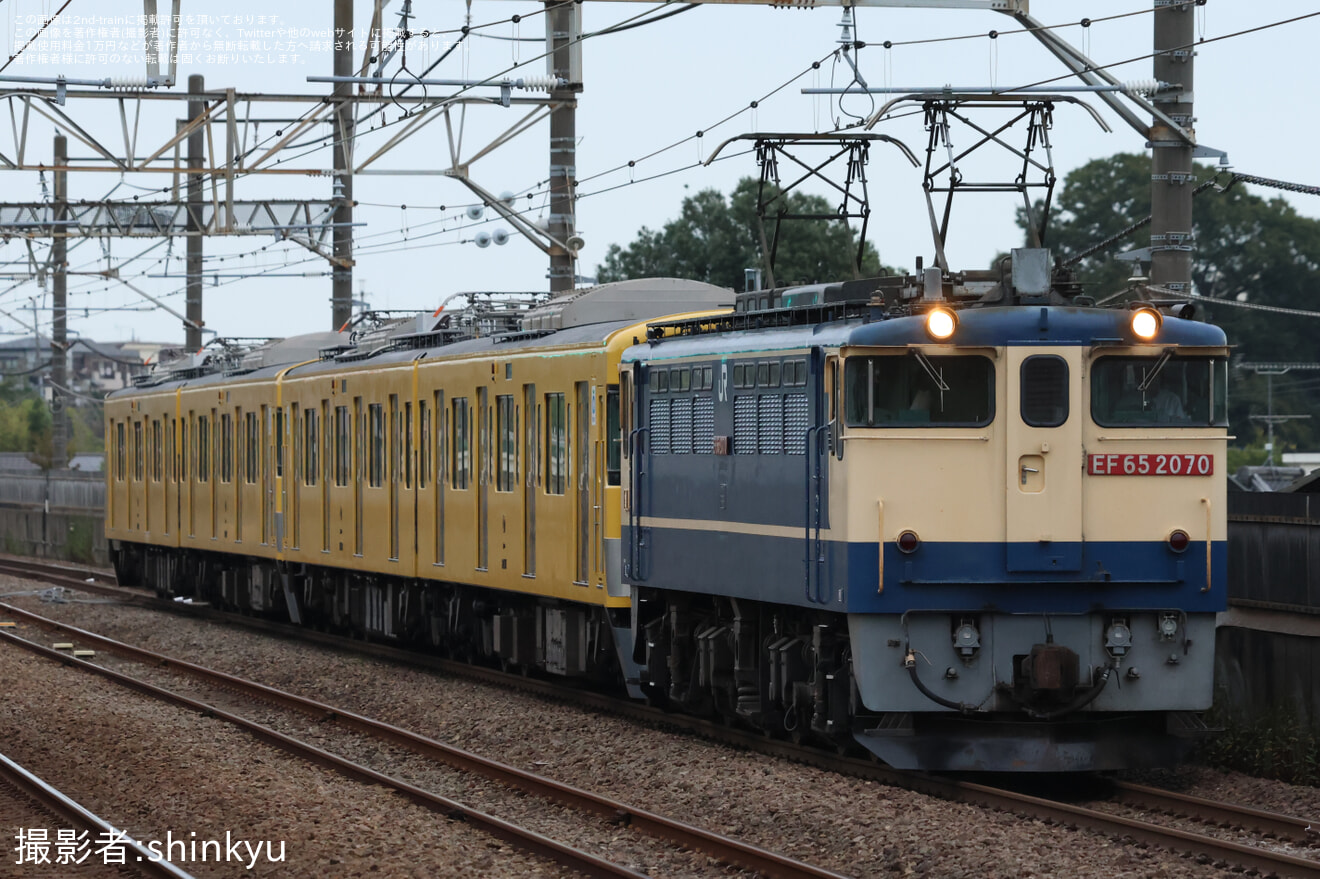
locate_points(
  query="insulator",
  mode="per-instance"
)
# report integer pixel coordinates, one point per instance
(537, 83)
(1141, 87)
(130, 82)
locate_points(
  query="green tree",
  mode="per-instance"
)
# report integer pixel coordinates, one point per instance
(714, 239)
(1249, 249)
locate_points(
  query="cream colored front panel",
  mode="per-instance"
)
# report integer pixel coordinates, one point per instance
(1044, 462)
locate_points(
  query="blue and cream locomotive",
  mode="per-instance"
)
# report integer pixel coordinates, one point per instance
(971, 521)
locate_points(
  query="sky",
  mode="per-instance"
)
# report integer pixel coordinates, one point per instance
(647, 91)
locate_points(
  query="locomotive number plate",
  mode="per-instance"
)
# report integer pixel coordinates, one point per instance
(1149, 464)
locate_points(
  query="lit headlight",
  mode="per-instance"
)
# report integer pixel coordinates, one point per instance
(1146, 323)
(940, 323)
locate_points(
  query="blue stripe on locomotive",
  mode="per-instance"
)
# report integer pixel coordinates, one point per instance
(949, 575)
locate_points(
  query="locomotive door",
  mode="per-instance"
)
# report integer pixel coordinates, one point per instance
(1043, 422)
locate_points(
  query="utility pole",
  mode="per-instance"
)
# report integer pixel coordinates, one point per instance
(1171, 241)
(59, 348)
(196, 143)
(562, 21)
(1270, 370)
(341, 298)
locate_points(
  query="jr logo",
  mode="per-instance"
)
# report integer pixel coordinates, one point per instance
(724, 381)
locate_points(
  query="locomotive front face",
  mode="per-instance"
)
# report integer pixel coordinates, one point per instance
(1035, 532)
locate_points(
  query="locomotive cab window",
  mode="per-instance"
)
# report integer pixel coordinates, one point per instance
(1044, 390)
(914, 390)
(1164, 391)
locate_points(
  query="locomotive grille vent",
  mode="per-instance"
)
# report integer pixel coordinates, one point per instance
(703, 424)
(659, 423)
(770, 424)
(796, 424)
(744, 425)
(680, 426)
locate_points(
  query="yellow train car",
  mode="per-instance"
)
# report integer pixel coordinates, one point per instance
(450, 479)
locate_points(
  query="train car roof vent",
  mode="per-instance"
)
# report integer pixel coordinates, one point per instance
(639, 300)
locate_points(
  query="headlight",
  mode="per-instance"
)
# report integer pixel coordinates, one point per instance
(940, 323)
(1146, 323)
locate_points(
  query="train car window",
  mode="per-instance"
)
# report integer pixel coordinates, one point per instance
(279, 440)
(226, 447)
(461, 443)
(556, 442)
(137, 451)
(184, 448)
(913, 390)
(203, 449)
(342, 448)
(613, 432)
(1162, 391)
(680, 379)
(407, 445)
(702, 378)
(252, 445)
(121, 453)
(1044, 390)
(157, 448)
(375, 445)
(423, 444)
(311, 447)
(506, 433)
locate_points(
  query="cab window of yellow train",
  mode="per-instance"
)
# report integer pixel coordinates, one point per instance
(556, 444)
(461, 466)
(376, 445)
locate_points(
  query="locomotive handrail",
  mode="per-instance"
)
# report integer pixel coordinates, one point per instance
(634, 565)
(812, 511)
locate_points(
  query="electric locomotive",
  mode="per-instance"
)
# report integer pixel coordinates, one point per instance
(972, 522)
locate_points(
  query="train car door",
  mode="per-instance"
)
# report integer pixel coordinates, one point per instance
(483, 477)
(1044, 447)
(531, 476)
(586, 494)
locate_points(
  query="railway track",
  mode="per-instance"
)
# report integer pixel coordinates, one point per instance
(611, 812)
(1266, 855)
(28, 802)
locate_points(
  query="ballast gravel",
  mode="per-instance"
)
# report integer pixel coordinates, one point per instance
(848, 825)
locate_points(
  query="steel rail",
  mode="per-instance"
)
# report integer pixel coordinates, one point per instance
(527, 840)
(1248, 857)
(1267, 823)
(724, 849)
(148, 863)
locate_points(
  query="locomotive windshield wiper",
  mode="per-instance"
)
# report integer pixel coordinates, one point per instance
(1159, 365)
(936, 375)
